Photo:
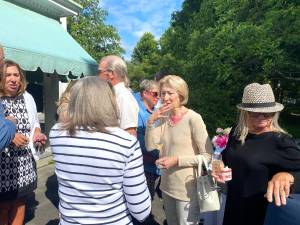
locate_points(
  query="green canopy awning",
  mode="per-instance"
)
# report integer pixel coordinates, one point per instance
(36, 41)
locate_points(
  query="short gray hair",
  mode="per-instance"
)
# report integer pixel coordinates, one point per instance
(90, 111)
(147, 85)
(117, 65)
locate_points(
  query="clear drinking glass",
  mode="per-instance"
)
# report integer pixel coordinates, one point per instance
(39, 142)
(157, 142)
(39, 147)
(217, 165)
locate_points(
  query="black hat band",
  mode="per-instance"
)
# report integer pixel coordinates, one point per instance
(258, 105)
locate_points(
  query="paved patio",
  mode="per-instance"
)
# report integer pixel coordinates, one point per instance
(42, 205)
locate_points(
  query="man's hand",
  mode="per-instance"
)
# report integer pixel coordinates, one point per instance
(279, 187)
(20, 140)
(167, 162)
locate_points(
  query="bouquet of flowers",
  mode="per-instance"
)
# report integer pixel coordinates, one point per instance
(220, 140)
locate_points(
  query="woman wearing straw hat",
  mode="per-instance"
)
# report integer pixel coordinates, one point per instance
(258, 148)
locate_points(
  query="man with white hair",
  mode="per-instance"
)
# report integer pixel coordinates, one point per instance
(113, 69)
(7, 125)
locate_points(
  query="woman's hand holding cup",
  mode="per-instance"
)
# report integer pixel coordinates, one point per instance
(39, 141)
(40, 137)
(161, 112)
(222, 175)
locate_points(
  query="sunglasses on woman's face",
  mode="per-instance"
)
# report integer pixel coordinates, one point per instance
(257, 114)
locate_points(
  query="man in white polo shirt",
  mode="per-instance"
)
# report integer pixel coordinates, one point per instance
(113, 69)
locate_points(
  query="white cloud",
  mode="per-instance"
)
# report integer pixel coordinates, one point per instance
(133, 18)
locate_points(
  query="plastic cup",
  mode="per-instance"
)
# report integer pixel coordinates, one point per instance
(226, 174)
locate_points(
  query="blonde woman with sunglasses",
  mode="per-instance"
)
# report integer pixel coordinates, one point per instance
(258, 149)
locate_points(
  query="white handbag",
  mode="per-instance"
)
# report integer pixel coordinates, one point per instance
(208, 196)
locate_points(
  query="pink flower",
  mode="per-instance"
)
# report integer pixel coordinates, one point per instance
(220, 141)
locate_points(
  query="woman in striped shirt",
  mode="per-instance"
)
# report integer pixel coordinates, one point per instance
(99, 167)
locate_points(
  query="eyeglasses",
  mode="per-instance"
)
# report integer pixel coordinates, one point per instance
(154, 94)
(257, 114)
(103, 71)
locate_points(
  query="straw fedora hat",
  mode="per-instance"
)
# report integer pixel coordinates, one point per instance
(259, 98)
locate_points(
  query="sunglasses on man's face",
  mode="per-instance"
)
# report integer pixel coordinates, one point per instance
(103, 71)
(257, 114)
(154, 94)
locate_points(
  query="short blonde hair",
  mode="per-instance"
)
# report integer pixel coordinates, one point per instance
(23, 83)
(178, 84)
(92, 106)
(241, 131)
(63, 103)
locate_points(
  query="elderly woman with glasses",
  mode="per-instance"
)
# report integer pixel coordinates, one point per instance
(258, 148)
(180, 135)
(18, 167)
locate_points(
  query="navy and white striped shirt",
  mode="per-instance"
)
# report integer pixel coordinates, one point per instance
(100, 176)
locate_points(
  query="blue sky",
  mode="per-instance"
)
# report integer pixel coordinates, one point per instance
(132, 18)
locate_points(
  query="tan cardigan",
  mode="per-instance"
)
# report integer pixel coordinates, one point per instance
(186, 139)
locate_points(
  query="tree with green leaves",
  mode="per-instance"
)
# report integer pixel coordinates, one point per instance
(145, 50)
(145, 59)
(220, 46)
(89, 30)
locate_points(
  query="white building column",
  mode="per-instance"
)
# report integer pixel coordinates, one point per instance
(62, 86)
(63, 22)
